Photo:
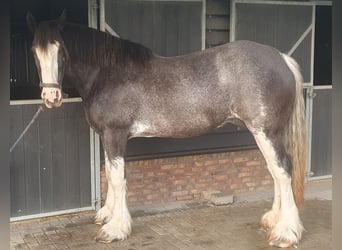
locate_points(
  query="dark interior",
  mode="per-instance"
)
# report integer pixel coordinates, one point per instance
(323, 57)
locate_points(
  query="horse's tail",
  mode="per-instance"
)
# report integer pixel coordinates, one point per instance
(296, 136)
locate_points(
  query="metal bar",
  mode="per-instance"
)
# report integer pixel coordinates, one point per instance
(168, 0)
(92, 168)
(309, 99)
(39, 101)
(204, 21)
(323, 177)
(40, 109)
(92, 13)
(35, 216)
(232, 20)
(97, 162)
(285, 2)
(110, 30)
(300, 40)
(309, 105)
(307, 84)
(102, 16)
(322, 87)
(313, 23)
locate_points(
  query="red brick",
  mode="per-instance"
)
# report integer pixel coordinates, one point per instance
(250, 184)
(266, 182)
(180, 193)
(185, 198)
(186, 177)
(240, 159)
(197, 169)
(221, 177)
(245, 174)
(253, 163)
(168, 166)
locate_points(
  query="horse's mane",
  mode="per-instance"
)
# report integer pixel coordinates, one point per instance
(100, 48)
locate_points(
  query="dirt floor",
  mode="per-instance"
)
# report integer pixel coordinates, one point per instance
(203, 226)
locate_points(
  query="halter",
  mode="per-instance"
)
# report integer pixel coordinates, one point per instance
(50, 85)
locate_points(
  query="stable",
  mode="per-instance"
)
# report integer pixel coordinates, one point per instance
(57, 168)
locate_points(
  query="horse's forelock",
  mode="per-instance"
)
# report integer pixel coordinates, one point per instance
(46, 33)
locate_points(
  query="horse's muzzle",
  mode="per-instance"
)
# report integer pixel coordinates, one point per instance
(51, 105)
(52, 97)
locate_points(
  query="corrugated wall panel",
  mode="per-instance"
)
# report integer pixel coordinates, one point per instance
(18, 201)
(50, 167)
(168, 28)
(279, 26)
(321, 133)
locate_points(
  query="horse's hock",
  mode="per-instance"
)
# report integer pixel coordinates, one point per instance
(186, 178)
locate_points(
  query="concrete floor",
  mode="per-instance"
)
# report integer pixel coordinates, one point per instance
(186, 226)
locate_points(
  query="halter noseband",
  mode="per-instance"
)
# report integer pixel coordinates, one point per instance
(49, 85)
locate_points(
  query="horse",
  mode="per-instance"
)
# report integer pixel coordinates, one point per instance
(128, 91)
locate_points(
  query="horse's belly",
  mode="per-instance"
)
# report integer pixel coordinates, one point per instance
(173, 129)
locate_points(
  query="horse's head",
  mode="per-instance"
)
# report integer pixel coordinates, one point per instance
(51, 56)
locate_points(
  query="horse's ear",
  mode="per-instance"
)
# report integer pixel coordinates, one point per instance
(62, 19)
(31, 22)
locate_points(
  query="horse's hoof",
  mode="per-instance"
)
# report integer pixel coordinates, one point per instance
(109, 233)
(104, 237)
(282, 244)
(103, 216)
(283, 236)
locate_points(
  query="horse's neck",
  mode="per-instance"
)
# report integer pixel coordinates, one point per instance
(82, 77)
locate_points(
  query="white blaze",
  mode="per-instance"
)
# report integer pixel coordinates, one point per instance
(48, 61)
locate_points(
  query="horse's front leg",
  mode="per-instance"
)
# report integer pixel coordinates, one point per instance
(104, 215)
(118, 226)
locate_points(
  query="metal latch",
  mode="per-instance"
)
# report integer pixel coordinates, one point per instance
(311, 94)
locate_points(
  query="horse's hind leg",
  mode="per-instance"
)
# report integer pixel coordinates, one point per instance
(282, 221)
(118, 226)
(105, 213)
(270, 219)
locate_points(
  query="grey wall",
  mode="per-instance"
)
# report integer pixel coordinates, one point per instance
(50, 167)
(321, 133)
(168, 28)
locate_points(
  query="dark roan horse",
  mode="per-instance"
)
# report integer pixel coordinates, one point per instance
(128, 91)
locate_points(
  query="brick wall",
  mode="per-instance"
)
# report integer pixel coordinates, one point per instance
(183, 178)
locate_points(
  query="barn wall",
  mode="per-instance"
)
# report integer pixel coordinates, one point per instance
(184, 178)
(50, 166)
(217, 22)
